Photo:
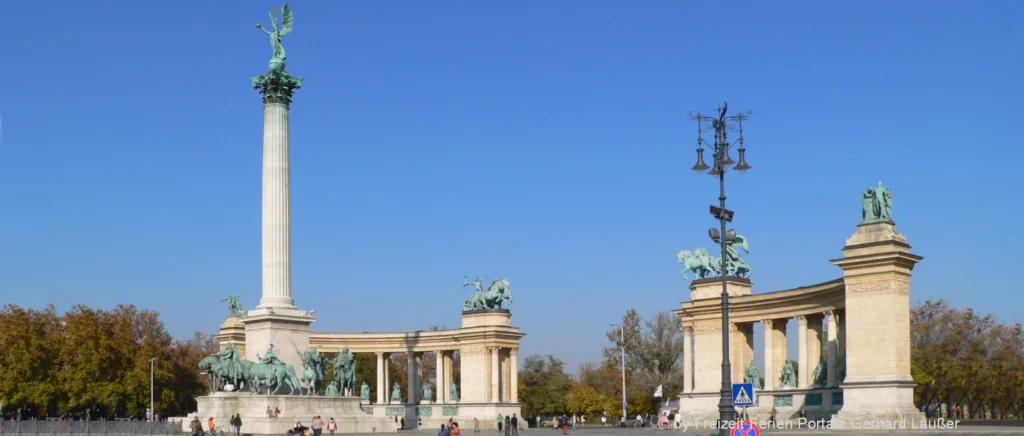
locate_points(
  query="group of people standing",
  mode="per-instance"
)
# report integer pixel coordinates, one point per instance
(197, 427)
(510, 425)
(452, 429)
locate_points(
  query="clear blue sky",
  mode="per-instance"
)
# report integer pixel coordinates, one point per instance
(543, 141)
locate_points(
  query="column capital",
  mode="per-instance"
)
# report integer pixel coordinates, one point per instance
(829, 312)
(801, 318)
(276, 86)
(767, 322)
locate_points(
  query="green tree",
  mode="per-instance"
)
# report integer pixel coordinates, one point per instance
(544, 385)
(583, 400)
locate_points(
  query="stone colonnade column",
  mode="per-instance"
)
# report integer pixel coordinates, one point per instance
(439, 382)
(514, 374)
(742, 343)
(687, 359)
(803, 372)
(769, 353)
(277, 89)
(449, 375)
(815, 347)
(833, 336)
(841, 344)
(495, 375)
(387, 378)
(418, 357)
(779, 346)
(381, 384)
(411, 378)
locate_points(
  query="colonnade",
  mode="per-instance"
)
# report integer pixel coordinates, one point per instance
(818, 334)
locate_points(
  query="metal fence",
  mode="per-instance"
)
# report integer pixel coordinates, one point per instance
(40, 427)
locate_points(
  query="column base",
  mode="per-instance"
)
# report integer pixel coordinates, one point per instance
(878, 403)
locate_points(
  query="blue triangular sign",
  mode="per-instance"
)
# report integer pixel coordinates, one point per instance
(743, 394)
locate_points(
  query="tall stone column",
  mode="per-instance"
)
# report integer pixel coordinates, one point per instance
(803, 370)
(381, 384)
(277, 88)
(495, 375)
(830, 347)
(276, 321)
(440, 385)
(769, 355)
(877, 265)
(687, 359)
(513, 356)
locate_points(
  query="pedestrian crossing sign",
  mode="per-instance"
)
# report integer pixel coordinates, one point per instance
(743, 394)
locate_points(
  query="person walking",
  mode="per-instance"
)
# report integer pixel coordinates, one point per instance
(213, 428)
(515, 425)
(499, 423)
(238, 424)
(332, 426)
(453, 429)
(771, 417)
(476, 425)
(604, 420)
(196, 426)
(508, 426)
(317, 425)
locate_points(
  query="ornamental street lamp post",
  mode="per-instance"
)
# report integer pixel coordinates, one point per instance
(721, 125)
(622, 347)
(152, 410)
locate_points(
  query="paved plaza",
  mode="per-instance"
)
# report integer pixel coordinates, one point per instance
(964, 429)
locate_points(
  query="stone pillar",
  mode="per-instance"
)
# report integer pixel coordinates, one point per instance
(742, 343)
(687, 359)
(841, 345)
(514, 374)
(769, 355)
(803, 370)
(449, 375)
(411, 372)
(814, 345)
(779, 349)
(830, 347)
(387, 378)
(707, 356)
(506, 374)
(495, 375)
(439, 383)
(277, 89)
(381, 384)
(877, 266)
(419, 376)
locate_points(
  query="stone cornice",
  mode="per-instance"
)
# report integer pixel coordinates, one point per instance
(808, 300)
(441, 340)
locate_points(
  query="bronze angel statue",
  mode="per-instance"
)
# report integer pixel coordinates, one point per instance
(287, 23)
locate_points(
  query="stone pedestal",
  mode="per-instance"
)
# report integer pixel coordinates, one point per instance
(347, 412)
(287, 333)
(877, 266)
(712, 287)
(232, 331)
